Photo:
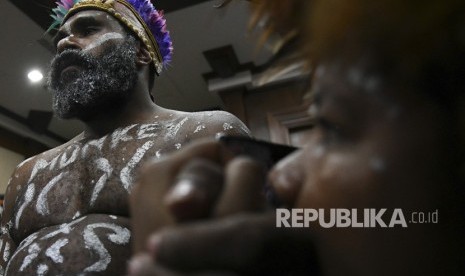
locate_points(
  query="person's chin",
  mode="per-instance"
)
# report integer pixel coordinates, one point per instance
(70, 111)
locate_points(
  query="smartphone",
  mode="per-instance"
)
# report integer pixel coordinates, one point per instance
(264, 152)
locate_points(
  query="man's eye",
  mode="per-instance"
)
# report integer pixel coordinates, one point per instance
(89, 30)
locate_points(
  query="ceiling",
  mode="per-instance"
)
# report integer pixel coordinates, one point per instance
(196, 27)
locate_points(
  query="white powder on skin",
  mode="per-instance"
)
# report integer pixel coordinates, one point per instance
(39, 165)
(121, 236)
(102, 39)
(173, 130)
(42, 204)
(126, 172)
(76, 215)
(96, 143)
(33, 251)
(199, 128)
(6, 252)
(103, 165)
(64, 161)
(147, 131)
(25, 243)
(65, 228)
(227, 126)
(53, 252)
(42, 269)
(54, 162)
(121, 135)
(27, 199)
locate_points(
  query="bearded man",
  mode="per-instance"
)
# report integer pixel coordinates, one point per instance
(66, 210)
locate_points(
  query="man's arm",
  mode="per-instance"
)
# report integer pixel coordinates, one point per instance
(14, 189)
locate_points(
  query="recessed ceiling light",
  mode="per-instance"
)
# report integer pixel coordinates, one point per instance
(35, 76)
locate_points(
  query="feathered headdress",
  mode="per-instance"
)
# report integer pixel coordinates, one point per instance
(139, 16)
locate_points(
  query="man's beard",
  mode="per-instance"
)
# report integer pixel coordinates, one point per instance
(97, 84)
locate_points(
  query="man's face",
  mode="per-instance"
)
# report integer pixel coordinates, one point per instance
(375, 145)
(371, 140)
(94, 68)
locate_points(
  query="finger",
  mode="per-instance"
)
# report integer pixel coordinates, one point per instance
(286, 178)
(153, 181)
(247, 244)
(244, 188)
(142, 265)
(195, 191)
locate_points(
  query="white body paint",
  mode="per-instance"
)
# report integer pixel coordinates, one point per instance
(102, 39)
(103, 165)
(94, 143)
(199, 128)
(64, 161)
(39, 165)
(126, 172)
(33, 251)
(27, 199)
(173, 129)
(42, 269)
(120, 135)
(147, 131)
(121, 236)
(65, 228)
(53, 252)
(6, 252)
(227, 126)
(42, 204)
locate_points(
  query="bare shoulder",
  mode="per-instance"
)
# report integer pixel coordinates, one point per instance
(20, 177)
(212, 123)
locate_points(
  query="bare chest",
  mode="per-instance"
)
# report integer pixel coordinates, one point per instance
(95, 176)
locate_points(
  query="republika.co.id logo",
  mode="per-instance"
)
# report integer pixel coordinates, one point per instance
(355, 218)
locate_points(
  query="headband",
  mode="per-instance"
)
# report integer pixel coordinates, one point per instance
(139, 16)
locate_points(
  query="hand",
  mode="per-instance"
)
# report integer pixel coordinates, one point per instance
(210, 183)
(240, 244)
(186, 186)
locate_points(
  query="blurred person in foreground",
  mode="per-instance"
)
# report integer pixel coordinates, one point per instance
(389, 104)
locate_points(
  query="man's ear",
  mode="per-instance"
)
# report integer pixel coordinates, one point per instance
(143, 55)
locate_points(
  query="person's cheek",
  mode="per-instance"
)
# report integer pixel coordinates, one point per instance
(346, 178)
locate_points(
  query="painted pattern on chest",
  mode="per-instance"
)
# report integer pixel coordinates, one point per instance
(42, 249)
(93, 168)
(90, 166)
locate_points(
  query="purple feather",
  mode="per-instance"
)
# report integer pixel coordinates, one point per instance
(157, 24)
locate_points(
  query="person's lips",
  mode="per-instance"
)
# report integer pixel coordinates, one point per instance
(69, 73)
(70, 69)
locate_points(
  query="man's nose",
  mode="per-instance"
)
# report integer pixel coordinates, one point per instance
(68, 42)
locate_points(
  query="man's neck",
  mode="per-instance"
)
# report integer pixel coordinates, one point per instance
(139, 108)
